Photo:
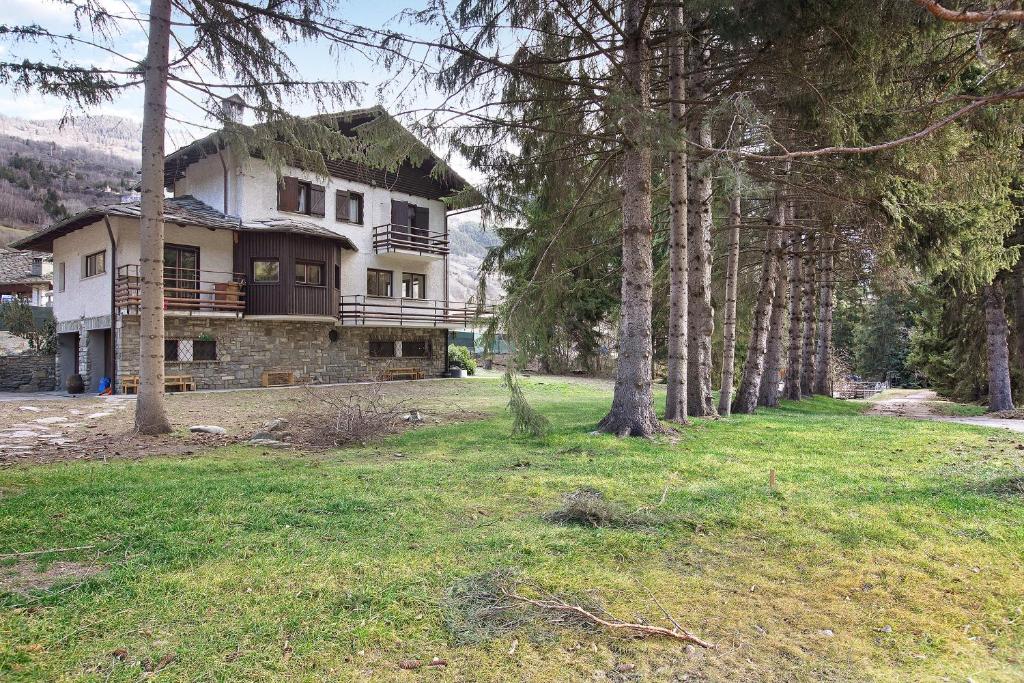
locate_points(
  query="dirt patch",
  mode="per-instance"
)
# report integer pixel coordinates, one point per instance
(95, 428)
(24, 576)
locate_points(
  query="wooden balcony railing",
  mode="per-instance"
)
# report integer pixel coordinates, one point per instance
(391, 237)
(358, 309)
(185, 289)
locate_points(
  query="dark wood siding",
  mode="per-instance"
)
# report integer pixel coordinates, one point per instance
(285, 297)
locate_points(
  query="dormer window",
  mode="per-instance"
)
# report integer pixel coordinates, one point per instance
(300, 196)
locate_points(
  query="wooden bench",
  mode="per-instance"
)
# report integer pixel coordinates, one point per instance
(130, 384)
(402, 373)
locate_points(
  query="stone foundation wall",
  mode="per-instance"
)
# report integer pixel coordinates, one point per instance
(247, 348)
(28, 372)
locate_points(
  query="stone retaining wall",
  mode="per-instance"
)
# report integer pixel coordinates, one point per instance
(246, 348)
(28, 372)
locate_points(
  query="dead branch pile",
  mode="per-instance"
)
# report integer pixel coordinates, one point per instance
(333, 418)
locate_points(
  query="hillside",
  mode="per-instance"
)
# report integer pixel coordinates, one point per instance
(48, 171)
(469, 244)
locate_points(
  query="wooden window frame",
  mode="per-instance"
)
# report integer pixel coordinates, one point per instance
(391, 282)
(301, 265)
(342, 206)
(269, 259)
(423, 287)
(85, 264)
(293, 193)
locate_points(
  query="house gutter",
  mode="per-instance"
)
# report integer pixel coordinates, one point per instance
(113, 308)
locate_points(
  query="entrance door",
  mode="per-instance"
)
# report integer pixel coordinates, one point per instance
(181, 273)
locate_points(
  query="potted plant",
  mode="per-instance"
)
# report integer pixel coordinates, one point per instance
(460, 362)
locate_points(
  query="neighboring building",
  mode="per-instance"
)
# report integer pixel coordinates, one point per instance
(25, 275)
(309, 279)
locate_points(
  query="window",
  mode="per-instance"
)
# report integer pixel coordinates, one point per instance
(170, 350)
(309, 273)
(348, 207)
(378, 282)
(300, 196)
(181, 272)
(61, 274)
(95, 264)
(266, 270)
(414, 286)
(37, 266)
(382, 349)
(414, 349)
(204, 349)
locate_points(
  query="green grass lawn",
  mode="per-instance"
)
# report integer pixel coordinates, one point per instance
(890, 550)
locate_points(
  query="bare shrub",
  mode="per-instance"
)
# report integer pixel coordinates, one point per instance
(588, 507)
(333, 418)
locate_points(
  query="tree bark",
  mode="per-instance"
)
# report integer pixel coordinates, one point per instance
(632, 411)
(768, 393)
(701, 313)
(823, 355)
(150, 412)
(678, 352)
(753, 365)
(796, 321)
(1000, 396)
(729, 323)
(809, 293)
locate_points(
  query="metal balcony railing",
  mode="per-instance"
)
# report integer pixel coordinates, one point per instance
(358, 309)
(185, 289)
(391, 237)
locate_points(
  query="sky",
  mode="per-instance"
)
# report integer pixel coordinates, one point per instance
(313, 62)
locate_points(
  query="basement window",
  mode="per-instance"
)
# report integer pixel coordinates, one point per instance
(382, 349)
(415, 349)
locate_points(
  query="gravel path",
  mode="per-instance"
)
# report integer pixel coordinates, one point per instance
(915, 405)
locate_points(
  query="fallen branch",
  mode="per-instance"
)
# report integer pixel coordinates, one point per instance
(44, 552)
(561, 606)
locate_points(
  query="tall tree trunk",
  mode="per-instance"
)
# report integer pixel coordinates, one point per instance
(1018, 311)
(823, 356)
(1000, 396)
(676, 394)
(701, 313)
(768, 393)
(150, 412)
(810, 290)
(796, 320)
(753, 365)
(729, 325)
(632, 411)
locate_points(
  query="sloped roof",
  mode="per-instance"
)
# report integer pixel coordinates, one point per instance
(420, 181)
(16, 267)
(184, 210)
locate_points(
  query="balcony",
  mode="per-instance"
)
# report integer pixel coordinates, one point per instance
(185, 289)
(389, 238)
(358, 309)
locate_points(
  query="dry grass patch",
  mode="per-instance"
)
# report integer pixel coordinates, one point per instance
(25, 578)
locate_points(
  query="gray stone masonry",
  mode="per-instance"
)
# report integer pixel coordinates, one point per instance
(28, 372)
(247, 348)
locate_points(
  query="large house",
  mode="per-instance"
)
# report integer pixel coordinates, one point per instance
(272, 276)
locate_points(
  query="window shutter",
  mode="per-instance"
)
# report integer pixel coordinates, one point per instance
(399, 212)
(341, 206)
(422, 219)
(317, 200)
(288, 194)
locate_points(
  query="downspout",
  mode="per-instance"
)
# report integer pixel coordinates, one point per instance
(113, 308)
(224, 165)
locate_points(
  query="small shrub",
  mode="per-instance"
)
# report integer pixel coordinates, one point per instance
(460, 357)
(587, 507)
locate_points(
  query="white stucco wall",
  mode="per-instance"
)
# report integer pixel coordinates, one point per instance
(82, 297)
(204, 180)
(91, 296)
(258, 199)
